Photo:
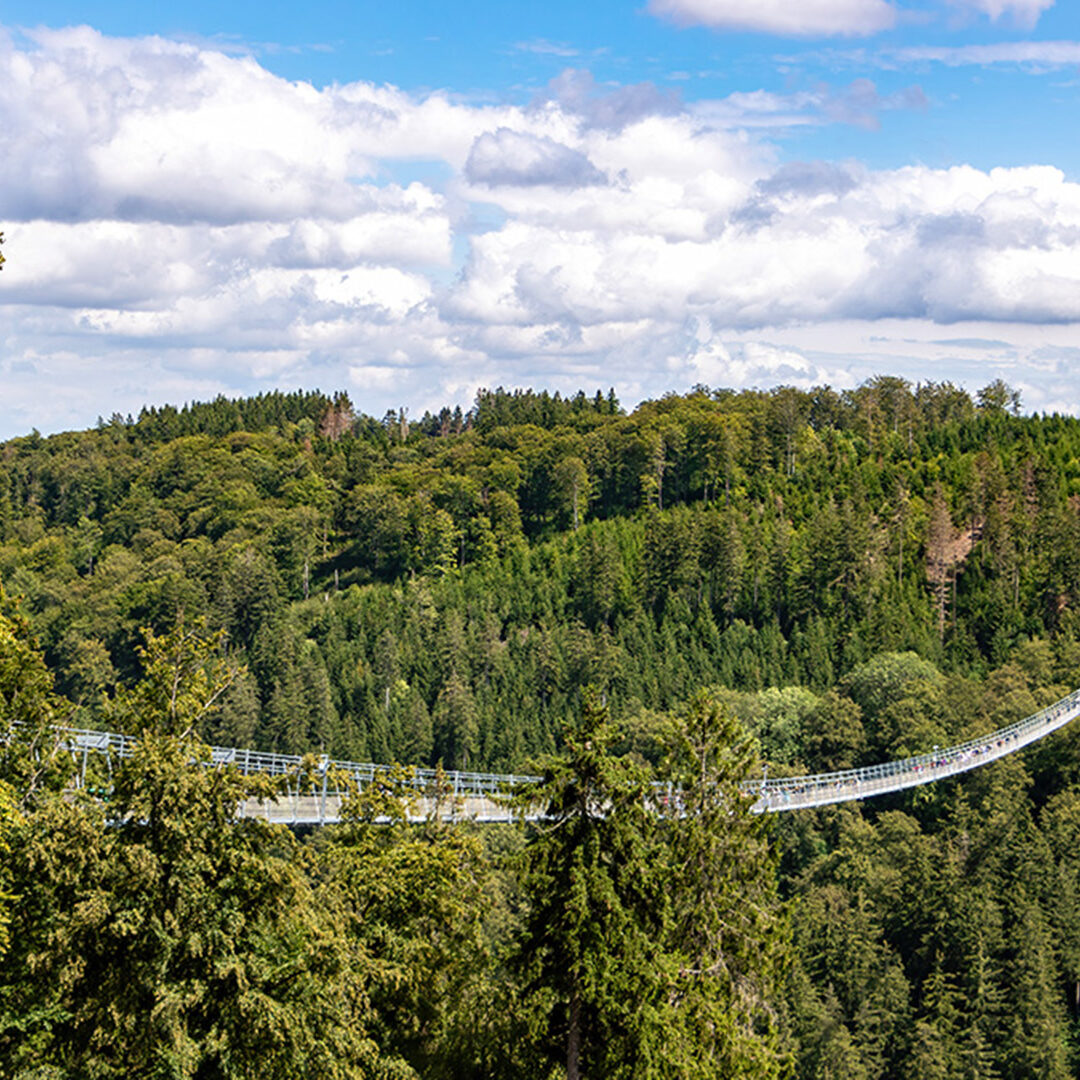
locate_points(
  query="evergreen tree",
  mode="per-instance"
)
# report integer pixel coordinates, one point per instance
(414, 896)
(591, 946)
(726, 928)
(179, 942)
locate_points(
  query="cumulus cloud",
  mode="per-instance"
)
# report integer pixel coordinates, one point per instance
(199, 225)
(709, 360)
(149, 129)
(820, 243)
(810, 18)
(522, 159)
(809, 179)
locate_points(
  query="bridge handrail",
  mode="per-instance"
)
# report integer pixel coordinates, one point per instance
(937, 763)
(275, 764)
(773, 794)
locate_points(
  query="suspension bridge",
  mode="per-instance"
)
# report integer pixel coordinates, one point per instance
(314, 789)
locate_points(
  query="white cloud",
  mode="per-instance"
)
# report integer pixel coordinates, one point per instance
(520, 159)
(859, 103)
(1024, 12)
(148, 129)
(543, 47)
(711, 361)
(807, 243)
(1033, 53)
(808, 18)
(155, 130)
(171, 245)
(827, 18)
(611, 108)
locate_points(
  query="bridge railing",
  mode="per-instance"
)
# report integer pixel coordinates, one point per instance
(455, 782)
(770, 795)
(791, 792)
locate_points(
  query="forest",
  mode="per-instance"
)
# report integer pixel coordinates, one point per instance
(709, 586)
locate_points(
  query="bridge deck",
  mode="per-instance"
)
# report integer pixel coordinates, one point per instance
(482, 796)
(797, 792)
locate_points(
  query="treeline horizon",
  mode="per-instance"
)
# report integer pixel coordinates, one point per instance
(224, 415)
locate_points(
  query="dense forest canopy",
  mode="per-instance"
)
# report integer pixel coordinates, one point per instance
(854, 576)
(442, 589)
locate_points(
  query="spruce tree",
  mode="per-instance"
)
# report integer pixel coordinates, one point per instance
(727, 933)
(591, 946)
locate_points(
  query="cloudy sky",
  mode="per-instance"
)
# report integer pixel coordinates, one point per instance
(408, 201)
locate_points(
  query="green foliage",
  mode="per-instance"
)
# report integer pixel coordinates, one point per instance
(726, 927)
(592, 943)
(179, 941)
(873, 686)
(862, 574)
(749, 540)
(32, 763)
(415, 904)
(8, 819)
(181, 684)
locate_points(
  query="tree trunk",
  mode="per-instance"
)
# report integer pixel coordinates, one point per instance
(573, 1039)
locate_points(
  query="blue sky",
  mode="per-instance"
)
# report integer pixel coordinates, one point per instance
(413, 200)
(980, 114)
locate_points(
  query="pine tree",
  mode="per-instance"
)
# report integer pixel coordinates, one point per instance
(935, 1043)
(455, 723)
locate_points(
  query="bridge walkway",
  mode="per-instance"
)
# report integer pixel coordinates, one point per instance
(315, 796)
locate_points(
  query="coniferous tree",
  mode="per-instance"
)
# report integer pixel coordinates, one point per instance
(726, 928)
(591, 950)
(180, 941)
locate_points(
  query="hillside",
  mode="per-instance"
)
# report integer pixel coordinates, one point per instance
(443, 589)
(855, 576)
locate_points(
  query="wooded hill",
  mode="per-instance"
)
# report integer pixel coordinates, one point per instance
(858, 576)
(443, 589)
